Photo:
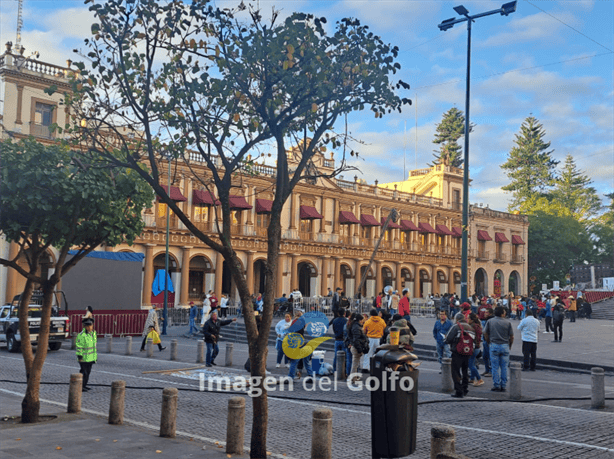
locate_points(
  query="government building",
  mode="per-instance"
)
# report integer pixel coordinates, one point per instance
(329, 226)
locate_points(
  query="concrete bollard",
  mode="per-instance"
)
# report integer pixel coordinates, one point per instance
(116, 406)
(149, 347)
(443, 440)
(341, 374)
(128, 345)
(228, 356)
(597, 387)
(447, 385)
(74, 393)
(173, 349)
(168, 420)
(200, 352)
(451, 456)
(322, 434)
(515, 381)
(109, 340)
(235, 425)
(73, 341)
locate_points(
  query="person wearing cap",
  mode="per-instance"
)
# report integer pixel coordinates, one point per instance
(193, 315)
(573, 307)
(86, 350)
(404, 310)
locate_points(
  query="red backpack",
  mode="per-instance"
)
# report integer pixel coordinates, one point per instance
(465, 342)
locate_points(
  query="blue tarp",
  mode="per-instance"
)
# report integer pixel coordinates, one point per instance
(158, 283)
(119, 256)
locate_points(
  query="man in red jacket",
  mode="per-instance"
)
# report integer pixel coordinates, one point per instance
(404, 306)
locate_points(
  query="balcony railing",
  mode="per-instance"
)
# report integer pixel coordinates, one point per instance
(44, 132)
(481, 255)
(500, 258)
(517, 259)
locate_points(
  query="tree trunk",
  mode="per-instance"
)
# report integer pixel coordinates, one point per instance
(29, 407)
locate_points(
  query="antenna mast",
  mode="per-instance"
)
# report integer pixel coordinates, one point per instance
(19, 25)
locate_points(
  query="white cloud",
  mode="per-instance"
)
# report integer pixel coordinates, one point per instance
(533, 28)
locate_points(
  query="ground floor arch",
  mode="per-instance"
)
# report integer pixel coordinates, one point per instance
(513, 284)
(200, 277)
(259, 276)
(386, 276)
(347, 279)
(480, 282)
(307, 278)
(424, 283)
(498, 283)
(368, 288)
(442, 281)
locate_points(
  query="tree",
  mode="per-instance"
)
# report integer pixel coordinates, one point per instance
(602, 232)
(572, 190)
(448, 131)
(51, 198)
(200, 81)
(529, 165)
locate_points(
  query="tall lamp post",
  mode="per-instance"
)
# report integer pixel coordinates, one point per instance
(168, 224)
(505, 10)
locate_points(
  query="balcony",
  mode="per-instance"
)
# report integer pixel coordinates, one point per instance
(482, 255)
(500, 258)
(40, 131)
(517, 259)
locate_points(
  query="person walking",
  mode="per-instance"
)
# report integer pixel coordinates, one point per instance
(155, 337)
(499, 335)
(86, 350)
(374, 329)
(224, 306)
(152, 320)
(460, 360)
(440, 330)
(548, 315)
(211, 330)
(529, 328)
(358, 344)
(558, 316)
(281, 329)
(89, 313)
(404, 308)
(193, 316)
(474, 374)
(346, 347)
(206, 309)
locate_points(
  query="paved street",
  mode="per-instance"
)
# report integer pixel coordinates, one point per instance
(486, 425)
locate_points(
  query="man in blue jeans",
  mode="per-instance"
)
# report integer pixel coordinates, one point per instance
(193, 316)
(338, 323)
(440, 330)
(211, 330)
(499, 334)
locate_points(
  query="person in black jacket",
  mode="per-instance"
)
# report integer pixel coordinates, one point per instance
(359, 343)
(460, 362)
(338, 323)
(211, 330)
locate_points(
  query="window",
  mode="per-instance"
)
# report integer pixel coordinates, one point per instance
(344, 230)
(456, 200)
(201, 213)
(162, 210)
(404, 237)
(42, 116)
(235, 217)
(306, 226)
(440, 240)
(262, 220)
(423, 238)
(366, 232)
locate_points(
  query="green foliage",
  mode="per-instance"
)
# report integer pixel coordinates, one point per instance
(572, 191)
(448, 131)
(45, 192)
(530, 165)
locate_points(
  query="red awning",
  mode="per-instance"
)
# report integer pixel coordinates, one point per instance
(500, 237)
(391, 224)
(238, 203)
(175, 194)
(263, 206)
(205, 198)
(368, 220)
(408, 225)
(517, 240)
(347, 217)
(309, 213)
(484, 236)
(457, 231)
(443, 230)
(425, 228)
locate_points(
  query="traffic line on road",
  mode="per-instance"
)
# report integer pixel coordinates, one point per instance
(145, 425)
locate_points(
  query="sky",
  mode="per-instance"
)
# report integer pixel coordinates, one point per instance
(550, 59)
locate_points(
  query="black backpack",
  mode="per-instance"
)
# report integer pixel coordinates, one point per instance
(344, 302)
(557, 315)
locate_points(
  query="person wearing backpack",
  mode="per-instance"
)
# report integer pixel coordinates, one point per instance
(558, 316)
(499, 334)
(461, 340)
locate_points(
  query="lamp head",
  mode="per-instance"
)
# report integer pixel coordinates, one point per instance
(445, 25)
(508, 8)
(460, 9)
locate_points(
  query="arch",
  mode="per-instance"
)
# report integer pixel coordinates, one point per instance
(480, 282)
(513, 284)
(228, 283)
(457, 280)
(307, 277)
(386, 276)
(159, 262)
(498, 283)
(199, 276)
(126, 251)
(441, 276)
(368, 288)
(424, 282)
(407, 275)
(347, 277)
(259, 275)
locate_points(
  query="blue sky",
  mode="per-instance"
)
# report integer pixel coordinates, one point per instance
(549, 59)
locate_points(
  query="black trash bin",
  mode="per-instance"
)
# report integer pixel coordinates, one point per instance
(394, 405)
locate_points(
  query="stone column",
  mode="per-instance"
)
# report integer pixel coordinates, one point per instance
(435, 282)
(293, 271)
(336, 217)
(379, 280)
(11, 275)
(281, 262)
(412, 268)
(250, 271)
(294, 211)
(323, 212)
(185, 276)
(357, 276)
(219, 274)
(450, 280)
(324, 283)
(149, 274)
(337, 281)
(250, 200)
(400, 279)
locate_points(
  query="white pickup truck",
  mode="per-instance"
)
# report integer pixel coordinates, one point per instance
(9, 327)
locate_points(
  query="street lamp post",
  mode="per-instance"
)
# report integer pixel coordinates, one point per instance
(505, 10)
(168, 224)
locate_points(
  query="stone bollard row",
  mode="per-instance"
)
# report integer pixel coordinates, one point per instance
(228, 356)
(109, 341)
(597, 387)
(117, 404)
(149, 347)
(447, 385)
(200, 352)
(341, 367)
(168, 419)
(128, 345)
(173, 349)
(74, 393)
(515, 381)
(235, 426)
(443, 441)
(322, 434)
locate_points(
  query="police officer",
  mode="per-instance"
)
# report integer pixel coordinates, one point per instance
(86, 350)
